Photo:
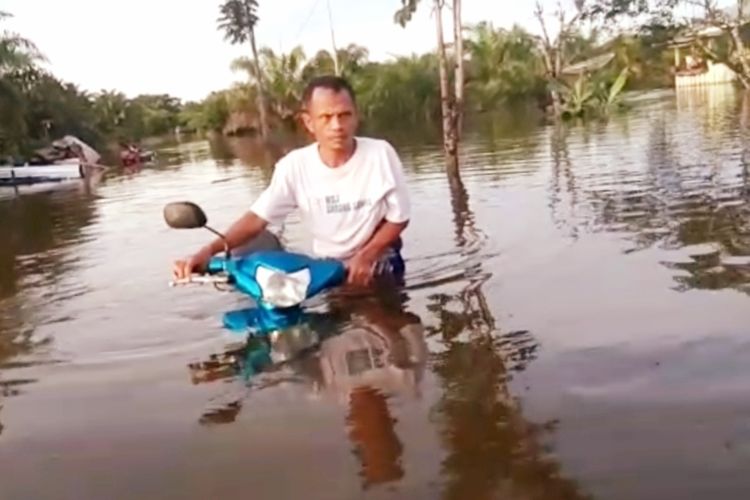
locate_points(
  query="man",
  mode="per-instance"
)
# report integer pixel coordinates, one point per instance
(350, 190)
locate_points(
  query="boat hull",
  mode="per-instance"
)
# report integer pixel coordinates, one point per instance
(31, 174)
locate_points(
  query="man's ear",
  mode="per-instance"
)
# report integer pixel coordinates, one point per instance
(307, 121)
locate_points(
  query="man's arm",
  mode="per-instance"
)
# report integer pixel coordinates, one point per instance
(360, 266)
(397, 215)
(242, 231)
(276, 201)
(385, 236)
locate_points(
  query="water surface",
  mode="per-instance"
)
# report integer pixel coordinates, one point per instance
(574, 325)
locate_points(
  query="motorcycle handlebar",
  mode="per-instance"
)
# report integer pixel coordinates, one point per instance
(200, 279)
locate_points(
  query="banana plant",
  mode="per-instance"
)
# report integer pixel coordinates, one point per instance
(612, 97)
(591, 96)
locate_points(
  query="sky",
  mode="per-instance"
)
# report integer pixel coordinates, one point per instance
(173, 46)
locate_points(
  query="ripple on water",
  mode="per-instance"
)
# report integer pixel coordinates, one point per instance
(503, 290)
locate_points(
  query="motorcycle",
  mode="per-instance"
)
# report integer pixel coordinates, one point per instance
(277, 280)
(359, 354)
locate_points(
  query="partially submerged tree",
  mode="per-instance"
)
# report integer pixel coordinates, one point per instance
(451, 100)
(238, 20)
(554, 48)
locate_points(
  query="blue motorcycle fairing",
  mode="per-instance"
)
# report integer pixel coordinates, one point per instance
(324, 273)
(242, 271)
(256, 320)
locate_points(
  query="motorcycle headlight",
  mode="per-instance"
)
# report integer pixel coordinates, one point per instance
(282, 289)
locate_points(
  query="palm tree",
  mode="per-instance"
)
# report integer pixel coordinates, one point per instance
(110, 109)
(352, 60)
(503, 64)
(283, 76)
(238, 20)
(17, 54)
(402, 91)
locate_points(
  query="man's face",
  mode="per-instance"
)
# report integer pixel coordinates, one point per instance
(331, 118)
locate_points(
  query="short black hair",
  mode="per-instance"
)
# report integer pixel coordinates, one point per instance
(331, 82)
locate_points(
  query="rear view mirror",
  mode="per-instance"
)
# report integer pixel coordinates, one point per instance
(184, 215)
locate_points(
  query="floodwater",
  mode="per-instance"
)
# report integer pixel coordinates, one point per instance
(575, 324)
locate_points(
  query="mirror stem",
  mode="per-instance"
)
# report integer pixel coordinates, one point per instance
(223, 239)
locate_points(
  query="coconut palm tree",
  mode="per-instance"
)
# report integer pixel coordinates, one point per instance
(283, 76)
(237, 20)
(16, 52)
(503, 64)
(352, 60)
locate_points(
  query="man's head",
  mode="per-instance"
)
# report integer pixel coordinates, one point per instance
(330, 111)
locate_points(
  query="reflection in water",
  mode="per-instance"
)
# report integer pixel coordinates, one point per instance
(372, 431)
(253, 152)
(35, 230)
(380, 354)
(491, 450)
(666, 184)
(11, 348)
(361, 352)
(38, 229)
(563, 182)
(691, 202)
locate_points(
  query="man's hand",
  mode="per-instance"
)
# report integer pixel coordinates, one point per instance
(244, 230)
(360, 269)
(197, 263)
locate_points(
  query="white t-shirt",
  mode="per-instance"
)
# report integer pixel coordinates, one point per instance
(342, 206)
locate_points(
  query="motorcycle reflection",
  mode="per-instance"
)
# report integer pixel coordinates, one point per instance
(360, 353)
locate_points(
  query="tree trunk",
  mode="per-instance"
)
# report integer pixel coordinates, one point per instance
(741, 52)
(261, 89)
(551, 81)
(446, 99)
(551, 58)
(458, 40)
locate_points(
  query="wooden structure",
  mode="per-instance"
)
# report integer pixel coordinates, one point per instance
(691, 68)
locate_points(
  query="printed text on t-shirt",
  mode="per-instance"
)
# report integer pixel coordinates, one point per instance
(333, 205)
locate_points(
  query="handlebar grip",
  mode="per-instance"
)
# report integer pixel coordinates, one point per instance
(200, 279)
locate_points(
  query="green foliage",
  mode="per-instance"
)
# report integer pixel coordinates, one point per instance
(159, 113)
(16, 52)
(237, 19)
(593, 96)
(402, 92)
(503, 65)
(36, 107)
(406, 12)
(646, 57)
(612, 11)
(40, 107)
(283, 78)
(209, 115)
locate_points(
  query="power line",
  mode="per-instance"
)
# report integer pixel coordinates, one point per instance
(304, 24)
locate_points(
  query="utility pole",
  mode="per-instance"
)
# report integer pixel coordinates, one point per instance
(333, 41)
